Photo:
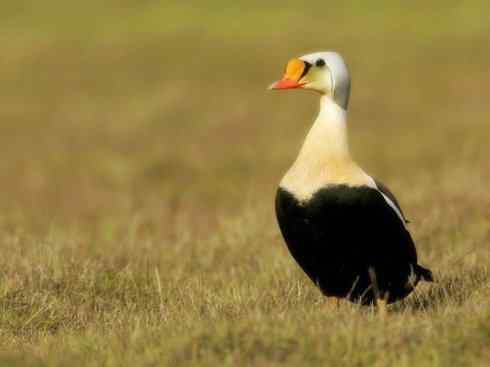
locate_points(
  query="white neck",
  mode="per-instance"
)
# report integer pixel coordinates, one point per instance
(327, 138)
(324, 157)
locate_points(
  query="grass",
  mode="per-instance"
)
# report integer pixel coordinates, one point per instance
(140, 156)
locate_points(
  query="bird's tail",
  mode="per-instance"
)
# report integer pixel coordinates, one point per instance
(424, 273)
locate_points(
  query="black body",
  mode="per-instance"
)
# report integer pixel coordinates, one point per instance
(350, 243)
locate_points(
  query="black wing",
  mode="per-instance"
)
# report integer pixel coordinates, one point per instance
(386, 191)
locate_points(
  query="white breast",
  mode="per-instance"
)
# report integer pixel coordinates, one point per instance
(304, 184)
(304, 179)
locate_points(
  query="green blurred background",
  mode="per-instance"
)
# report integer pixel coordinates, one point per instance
(129, 104)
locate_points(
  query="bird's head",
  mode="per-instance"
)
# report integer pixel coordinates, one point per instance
(323, 72)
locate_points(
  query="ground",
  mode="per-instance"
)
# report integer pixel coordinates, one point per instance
(140, 157)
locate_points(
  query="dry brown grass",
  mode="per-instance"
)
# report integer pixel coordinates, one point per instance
(138, 172)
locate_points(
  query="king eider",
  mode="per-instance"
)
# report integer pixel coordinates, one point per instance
(344, 228)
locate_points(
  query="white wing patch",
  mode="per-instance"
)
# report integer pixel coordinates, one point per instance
(388, 201)
(393, 206)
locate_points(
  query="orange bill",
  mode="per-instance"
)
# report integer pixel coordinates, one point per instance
(291, 79)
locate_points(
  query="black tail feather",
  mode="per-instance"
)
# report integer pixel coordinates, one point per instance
(424, 273)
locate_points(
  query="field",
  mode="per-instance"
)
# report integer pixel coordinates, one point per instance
(140, 153)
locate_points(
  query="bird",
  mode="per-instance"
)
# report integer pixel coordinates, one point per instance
(344, 228)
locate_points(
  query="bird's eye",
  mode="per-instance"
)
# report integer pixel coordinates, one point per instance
(320, 63)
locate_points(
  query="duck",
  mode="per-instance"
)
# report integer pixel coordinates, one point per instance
(344, 228)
